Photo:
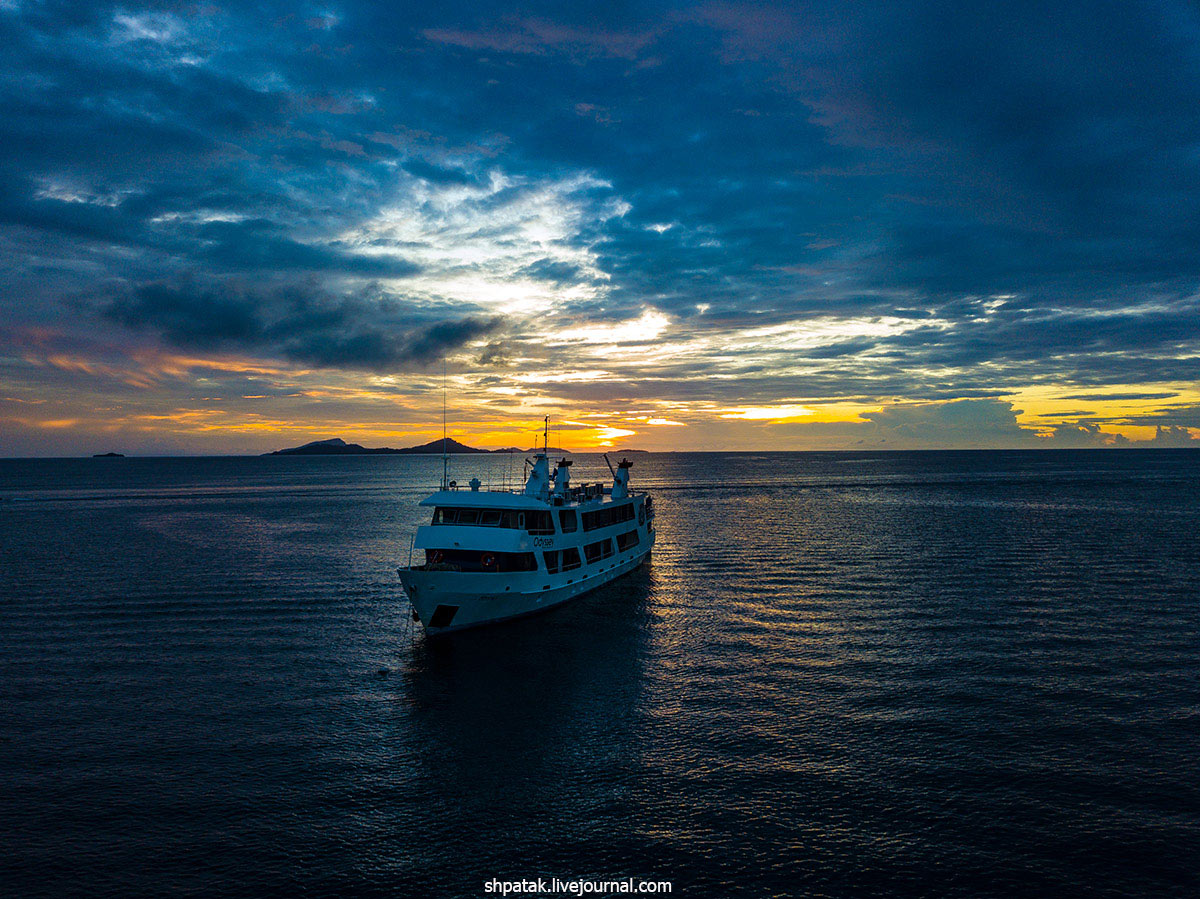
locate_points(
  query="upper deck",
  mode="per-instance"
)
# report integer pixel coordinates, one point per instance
(583, 495)
(543, 489)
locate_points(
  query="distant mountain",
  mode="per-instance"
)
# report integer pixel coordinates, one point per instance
(109, 456)
(435, 447)
(336, 446)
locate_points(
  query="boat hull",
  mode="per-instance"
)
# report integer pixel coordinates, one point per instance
(446, 602)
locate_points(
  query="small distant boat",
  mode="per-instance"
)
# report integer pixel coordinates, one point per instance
(492, 555)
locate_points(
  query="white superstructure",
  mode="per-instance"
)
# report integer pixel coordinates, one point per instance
(489, 556)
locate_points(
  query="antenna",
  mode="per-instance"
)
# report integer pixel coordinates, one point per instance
(445, 454)
(546, 436)
(609, 464)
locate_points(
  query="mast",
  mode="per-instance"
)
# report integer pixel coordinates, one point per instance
(445, 454)
(538, 484)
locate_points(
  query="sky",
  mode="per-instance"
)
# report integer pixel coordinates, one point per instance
(227, 228)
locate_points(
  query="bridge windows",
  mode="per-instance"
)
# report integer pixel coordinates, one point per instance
(535, 521)
(607, 516)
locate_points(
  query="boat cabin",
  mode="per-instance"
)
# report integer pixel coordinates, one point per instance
(550, 522)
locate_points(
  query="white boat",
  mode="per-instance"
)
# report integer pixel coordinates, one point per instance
(494, 555)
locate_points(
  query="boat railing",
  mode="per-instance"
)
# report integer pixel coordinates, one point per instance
(589, 491)
(455, 487)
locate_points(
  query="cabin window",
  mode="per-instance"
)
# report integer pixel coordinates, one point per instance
(570, 559)
(480, 560)
(551, 557)
(490, 518)
(569, 521)
(601, 549)
(628, 540)
(539, 522)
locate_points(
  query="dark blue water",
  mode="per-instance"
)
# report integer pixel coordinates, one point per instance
(841, 674)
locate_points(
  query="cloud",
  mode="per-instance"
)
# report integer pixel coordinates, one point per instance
(747, 206)
(1118, 397)
(981, 423)
(1084, 434)
(1175, 436)
(1182, 415)
(540, 36)
(244, 246)
(298, 321)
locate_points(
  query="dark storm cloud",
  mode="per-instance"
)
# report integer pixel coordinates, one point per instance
(1017, 180)
(554, 271)
(192, 315)
(260, 244)
(298, 322)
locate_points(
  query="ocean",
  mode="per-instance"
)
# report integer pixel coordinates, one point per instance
(840, 674)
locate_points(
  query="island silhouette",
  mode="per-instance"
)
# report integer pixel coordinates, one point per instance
(336, 446)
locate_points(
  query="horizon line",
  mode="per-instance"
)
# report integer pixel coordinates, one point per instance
(598, 452)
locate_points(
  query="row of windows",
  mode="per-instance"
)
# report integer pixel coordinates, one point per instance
(601, 549)
(534, 521)
(474, 560)
(628, 540)
(610, 515)
(565, 560)
(556, 560)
